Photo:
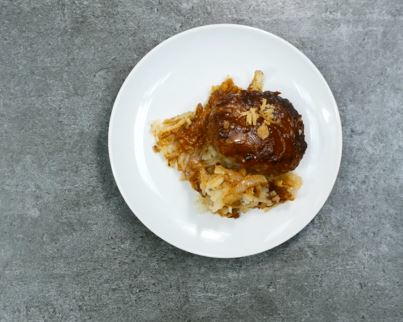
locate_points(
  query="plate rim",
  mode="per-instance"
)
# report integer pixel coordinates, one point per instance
(193, 30)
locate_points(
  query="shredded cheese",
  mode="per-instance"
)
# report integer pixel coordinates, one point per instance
(263, 131)
(251, 116)
(263, 105)
(266, 111)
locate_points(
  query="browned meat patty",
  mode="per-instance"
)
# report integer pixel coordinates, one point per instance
(276, 151)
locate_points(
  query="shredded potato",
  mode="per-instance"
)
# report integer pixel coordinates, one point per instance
(257, 81)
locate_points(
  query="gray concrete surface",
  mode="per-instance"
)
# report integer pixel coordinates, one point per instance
(70, 249)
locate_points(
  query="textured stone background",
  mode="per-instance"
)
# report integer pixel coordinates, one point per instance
(70, 249)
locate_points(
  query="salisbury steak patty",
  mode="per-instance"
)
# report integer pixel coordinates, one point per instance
(259, 131)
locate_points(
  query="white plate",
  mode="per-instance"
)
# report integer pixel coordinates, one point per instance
(171, 79)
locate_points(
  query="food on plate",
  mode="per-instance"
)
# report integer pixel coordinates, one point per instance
(238, 149)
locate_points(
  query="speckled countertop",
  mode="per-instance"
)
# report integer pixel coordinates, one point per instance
(70, 249)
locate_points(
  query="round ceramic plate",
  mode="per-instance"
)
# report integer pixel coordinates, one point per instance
(171, 79)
